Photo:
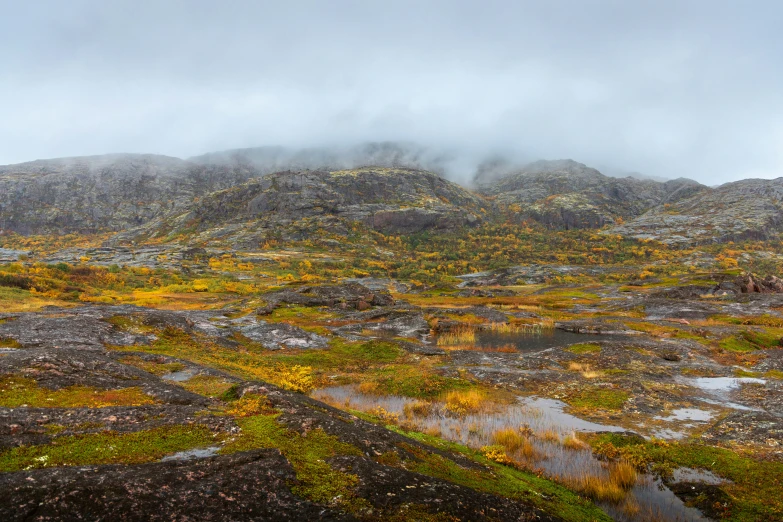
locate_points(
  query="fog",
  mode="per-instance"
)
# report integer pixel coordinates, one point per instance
(666, 88)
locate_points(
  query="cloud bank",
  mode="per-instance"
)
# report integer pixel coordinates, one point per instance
(666, 88)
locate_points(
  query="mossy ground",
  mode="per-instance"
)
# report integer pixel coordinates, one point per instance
(17, 391)
(108, 448)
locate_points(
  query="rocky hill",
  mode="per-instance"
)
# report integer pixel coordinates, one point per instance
(385, 199)
(750, 208)
(567, 194)
(124, 191)
(104, 193)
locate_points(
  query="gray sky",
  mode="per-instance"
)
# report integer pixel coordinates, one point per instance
(667, 88)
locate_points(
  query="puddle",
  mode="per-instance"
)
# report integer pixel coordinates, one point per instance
(544, 417)
(720, 384)
(718, 389)
(693, 414)
(534, 341)
(198, 453)
(180, 376)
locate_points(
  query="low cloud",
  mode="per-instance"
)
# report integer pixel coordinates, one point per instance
(667, 89)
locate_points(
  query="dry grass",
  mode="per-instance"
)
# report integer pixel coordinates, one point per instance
(585, 370)
(465, 402)
(417, 409)
(506, 348)
(572, 442)
(549, 435)
(597, 488)
(510, 439)
(623, 475)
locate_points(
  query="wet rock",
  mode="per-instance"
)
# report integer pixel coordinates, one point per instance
(749, 427)
(684, 292)
(380, 284)
(28, 426)
(710, 499)
(254, 485)
(421, 349)
(345, 295)
(385, 486)
(275, 336)
(60, 328)
(531, 274)
(594, 327)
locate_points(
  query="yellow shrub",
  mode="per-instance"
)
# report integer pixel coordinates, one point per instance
(297, 378)
(497, 454)
(464, 402)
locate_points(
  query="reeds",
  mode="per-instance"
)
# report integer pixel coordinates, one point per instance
(458, 336)
(623, 474)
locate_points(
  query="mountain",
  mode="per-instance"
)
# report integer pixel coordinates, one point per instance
(567, 194)
(750, 208)
(385, 199)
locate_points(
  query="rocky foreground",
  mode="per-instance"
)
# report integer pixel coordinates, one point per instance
(135, 413)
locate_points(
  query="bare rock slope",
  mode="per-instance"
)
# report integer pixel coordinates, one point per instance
(567, 194)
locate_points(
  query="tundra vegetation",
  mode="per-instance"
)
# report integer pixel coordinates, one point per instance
(404, 383)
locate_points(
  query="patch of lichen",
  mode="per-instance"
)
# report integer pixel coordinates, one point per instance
(591, 398)
(6, 342)
(16, 391)
(108, 448)
(154, 367)
(207, 385)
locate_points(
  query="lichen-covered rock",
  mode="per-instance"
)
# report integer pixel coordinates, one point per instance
(255, 485)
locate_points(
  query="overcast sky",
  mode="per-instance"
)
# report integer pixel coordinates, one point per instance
(680, 88)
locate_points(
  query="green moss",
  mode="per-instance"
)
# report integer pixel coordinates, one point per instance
(307, 454)
(207, 385)
(107, 448)
(414, 381)
(16, 391)
(6, 342)
(756, 490)
(774, 374)
(748, 341)
(584, 348)
(598, 398)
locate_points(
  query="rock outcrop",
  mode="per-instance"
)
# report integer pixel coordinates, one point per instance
(748, 209)
(567, 194)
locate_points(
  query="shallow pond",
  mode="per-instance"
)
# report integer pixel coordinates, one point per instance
(550, 425)
(534, 341)
(198, 453)
(180, 376)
